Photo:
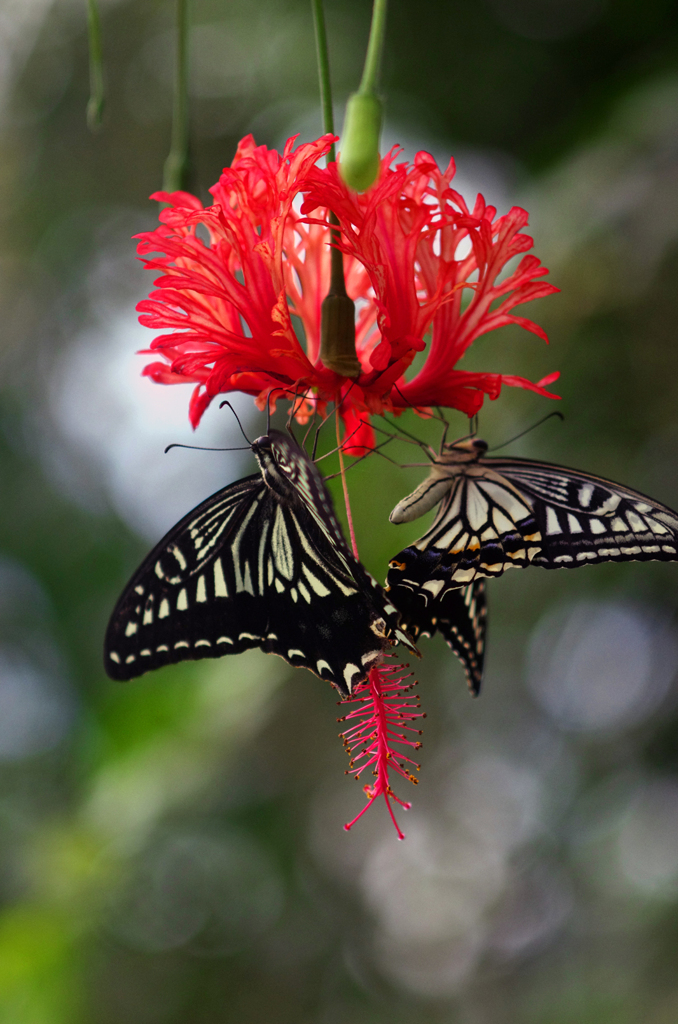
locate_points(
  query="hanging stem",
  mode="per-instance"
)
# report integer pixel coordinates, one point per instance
(375, 47)
(323, 56)
(337, 283)
(347, 503)
(95, 105)
(337, 327)
(176, 166)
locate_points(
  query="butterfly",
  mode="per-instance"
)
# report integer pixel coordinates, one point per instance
(496, 514)
(261, 563)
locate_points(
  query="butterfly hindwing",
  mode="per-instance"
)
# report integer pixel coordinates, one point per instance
(428, 602)
(462, 620)
(254, 566)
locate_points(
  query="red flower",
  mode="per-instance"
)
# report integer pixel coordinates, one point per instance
(417, 261)
(379, 724)
(423, 248)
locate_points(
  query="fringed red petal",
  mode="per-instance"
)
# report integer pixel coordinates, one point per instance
(418, 261)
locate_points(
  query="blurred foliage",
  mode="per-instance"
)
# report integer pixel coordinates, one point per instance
(171, 851)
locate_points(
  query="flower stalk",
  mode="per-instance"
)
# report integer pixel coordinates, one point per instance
(375, 48)
(342, 474)
(337, 322)
(176, 169)
(325, 82)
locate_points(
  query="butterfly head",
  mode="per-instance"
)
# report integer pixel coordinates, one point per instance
(284, 466)
(467, 450)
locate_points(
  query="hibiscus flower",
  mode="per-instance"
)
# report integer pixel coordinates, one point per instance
(243, 280)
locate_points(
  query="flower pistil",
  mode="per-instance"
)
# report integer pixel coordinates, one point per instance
(381, 727)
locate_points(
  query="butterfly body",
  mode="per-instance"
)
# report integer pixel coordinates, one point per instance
(262, 563)
(454, 460)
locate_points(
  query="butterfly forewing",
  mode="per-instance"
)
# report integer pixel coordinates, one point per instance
(308, 486)
(584, 519)
(253, 566)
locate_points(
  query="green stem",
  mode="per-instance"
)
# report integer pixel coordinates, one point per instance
(337, 285)
(95, 105)
(375, 46)
(176, 165)
(323, 72)
(337, 328)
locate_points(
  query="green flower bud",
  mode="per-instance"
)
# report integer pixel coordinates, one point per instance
(359, 156)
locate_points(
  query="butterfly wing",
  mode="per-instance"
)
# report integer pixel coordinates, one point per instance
(584, 519)
(242, 570)
(483, 526)
(511, 513)
(462, 620)
(429, 605)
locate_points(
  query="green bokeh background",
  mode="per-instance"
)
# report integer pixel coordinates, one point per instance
(171, 851)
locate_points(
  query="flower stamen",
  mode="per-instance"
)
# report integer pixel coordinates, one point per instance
(381, 720)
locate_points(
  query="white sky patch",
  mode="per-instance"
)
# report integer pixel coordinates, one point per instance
(114, 425)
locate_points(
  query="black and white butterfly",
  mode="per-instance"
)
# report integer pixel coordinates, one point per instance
(262, 563)
(496, 514)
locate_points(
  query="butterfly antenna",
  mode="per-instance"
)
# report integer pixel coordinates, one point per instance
(238, 420)
(317, 437)
(199, 448)
(319, 427)
(401, 430)
(288, 425)
(282, 391)
(445, 429)
(440, 416)
(474, 430)
(523, 432)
